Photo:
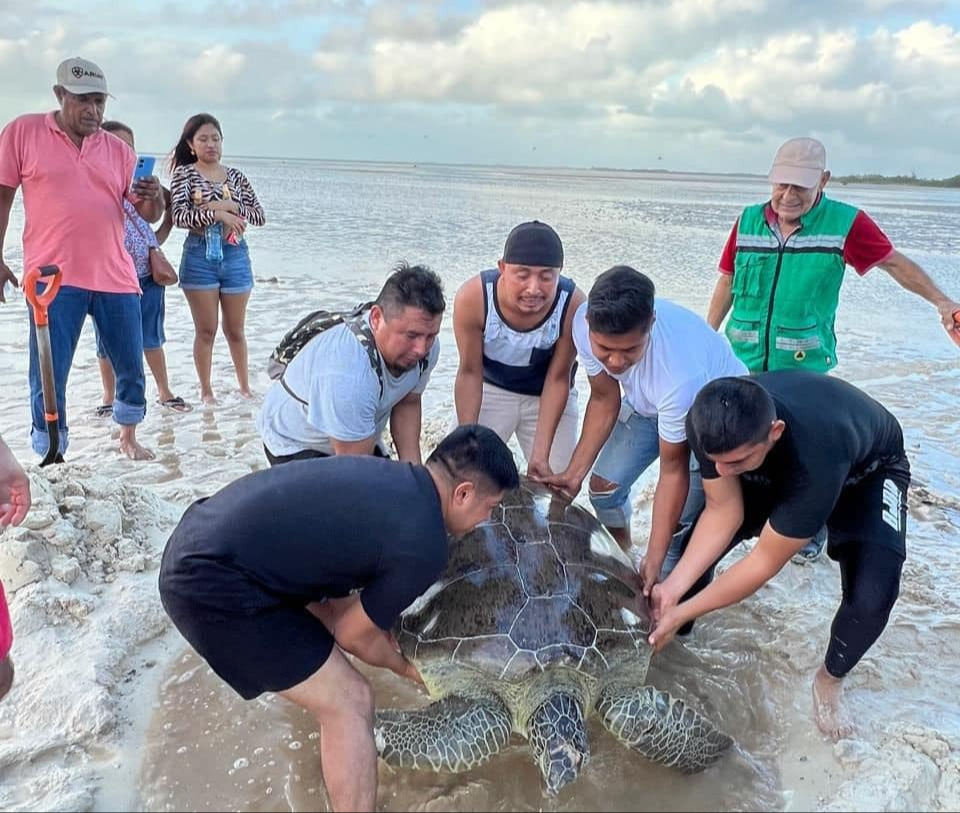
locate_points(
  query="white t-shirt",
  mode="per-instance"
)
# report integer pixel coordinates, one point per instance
(332, 373)
(684, 353)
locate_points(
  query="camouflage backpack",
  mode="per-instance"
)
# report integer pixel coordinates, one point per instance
(311, 326)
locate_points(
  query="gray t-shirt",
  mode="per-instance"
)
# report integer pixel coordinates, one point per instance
(332, 373)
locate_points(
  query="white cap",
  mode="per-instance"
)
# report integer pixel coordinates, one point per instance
(799, 162)
(79, 76)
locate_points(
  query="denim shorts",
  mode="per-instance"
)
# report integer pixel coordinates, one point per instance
(231, 275)
(152, 313)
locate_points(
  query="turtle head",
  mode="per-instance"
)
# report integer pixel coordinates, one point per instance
(558, 739)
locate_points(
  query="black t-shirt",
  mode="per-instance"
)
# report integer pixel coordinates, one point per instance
(308, 530)
(835, 436)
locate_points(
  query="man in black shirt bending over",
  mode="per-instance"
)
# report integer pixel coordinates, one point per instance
(261, 579)
(782, 454)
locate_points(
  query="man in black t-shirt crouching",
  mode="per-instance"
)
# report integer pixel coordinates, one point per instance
(262, 579)
(782, 454)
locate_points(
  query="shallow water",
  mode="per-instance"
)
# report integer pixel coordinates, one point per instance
(334, 229)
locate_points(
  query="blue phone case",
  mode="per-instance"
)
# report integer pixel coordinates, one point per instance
(144, 166)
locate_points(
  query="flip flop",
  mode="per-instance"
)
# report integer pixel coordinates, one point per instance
(176, 404)
(104, 411)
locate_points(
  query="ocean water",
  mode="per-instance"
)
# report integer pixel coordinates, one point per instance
(333, 232)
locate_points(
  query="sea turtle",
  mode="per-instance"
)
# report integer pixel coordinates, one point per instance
(537, 622)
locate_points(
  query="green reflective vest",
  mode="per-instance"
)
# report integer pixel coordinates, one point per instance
(785, 295)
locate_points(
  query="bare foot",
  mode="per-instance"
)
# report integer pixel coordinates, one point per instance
(827, 710)
(130, 447)
(246, 393)
(208, 398)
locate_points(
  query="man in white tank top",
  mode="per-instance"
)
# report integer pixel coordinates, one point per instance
(513, 326)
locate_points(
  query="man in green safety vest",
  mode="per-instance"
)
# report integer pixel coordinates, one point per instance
(783, 265)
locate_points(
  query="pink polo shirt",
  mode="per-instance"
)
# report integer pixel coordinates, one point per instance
(72, 201)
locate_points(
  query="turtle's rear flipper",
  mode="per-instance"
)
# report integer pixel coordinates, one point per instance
(660, 727)
(454, 734)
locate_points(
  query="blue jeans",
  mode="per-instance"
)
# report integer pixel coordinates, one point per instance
(632, 446)
(117, 317)
(231, 275)
(152, 314)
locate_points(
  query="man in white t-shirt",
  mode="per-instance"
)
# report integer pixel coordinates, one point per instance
(337, 394)
(661, 354)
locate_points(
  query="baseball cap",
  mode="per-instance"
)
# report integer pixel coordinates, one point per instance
(80, 76)
(799, 162)
(534, 244)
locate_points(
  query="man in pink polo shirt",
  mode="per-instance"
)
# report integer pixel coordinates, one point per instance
(75, 177)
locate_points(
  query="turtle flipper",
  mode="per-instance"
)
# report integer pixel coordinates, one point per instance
(661, 728)
(454, 734)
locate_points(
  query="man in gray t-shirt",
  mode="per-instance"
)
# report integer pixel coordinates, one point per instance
(335, 397)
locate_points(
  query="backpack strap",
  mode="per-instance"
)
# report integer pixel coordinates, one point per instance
(361, 329)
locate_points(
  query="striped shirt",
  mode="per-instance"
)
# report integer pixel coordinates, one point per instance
(518, 360)
(189, 190)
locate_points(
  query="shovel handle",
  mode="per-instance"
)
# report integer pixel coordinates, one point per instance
(40, 302)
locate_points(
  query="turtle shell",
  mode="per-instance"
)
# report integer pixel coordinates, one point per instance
(541, 585)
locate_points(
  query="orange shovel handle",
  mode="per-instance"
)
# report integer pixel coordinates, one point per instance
(40, 302)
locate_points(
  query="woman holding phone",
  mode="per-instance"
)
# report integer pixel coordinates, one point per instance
(216, 203)
(140, 240)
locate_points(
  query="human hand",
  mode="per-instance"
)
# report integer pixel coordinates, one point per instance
(6, 275)
(411, 673)
(148, 188)
(539, 470)
(670, 621)
(649, 573)
(233, 224)
(222, 206)
(566, 482)
(662, 599)
(950, 318)
(14, 488)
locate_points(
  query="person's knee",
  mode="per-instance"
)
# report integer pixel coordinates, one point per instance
(601, 488)
(872, 604)
(206, 333)
(234, 333)
(353, 697)
(610, 502)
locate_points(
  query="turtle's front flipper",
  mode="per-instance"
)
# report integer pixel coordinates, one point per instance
(454, 734)
(660, 727)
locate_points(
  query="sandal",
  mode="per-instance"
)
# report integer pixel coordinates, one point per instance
(176, 404)
(104, 411)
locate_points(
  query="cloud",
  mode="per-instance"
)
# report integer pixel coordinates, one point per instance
(583, 81)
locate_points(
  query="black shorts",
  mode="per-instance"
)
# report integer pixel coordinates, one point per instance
(874, 511)
(268, 650)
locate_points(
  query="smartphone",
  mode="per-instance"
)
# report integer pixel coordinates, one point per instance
(144, 166)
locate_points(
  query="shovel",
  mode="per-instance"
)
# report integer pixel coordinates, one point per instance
(50, 275)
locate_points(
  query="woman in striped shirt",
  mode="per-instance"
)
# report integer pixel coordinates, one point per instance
(216, 203)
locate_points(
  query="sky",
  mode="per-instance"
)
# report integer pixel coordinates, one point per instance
(695, 85)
